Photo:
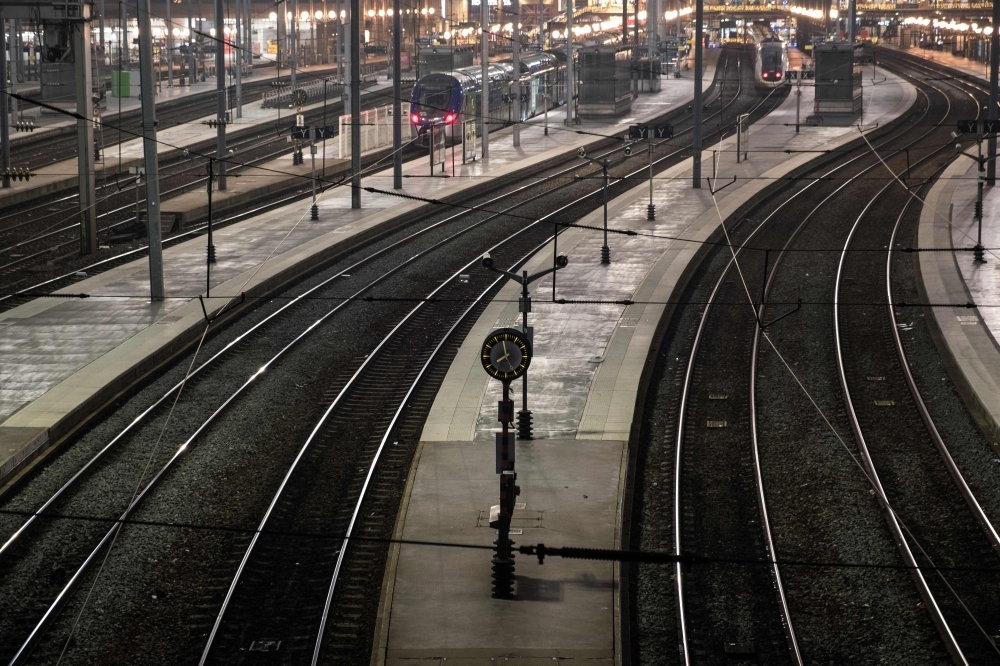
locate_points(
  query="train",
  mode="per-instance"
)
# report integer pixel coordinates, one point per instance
(770, 58)
(450, 98)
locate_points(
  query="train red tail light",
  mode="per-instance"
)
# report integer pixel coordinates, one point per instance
(763, 75)
(415, 119)
(449, 119)
(777, 75)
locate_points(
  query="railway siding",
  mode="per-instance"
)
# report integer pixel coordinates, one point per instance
(589, 366)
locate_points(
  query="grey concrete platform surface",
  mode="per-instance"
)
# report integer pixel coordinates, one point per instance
(969, 336)
(50, 122)
(62, 175)
(583, 383)
(62, 359)
(964, 65)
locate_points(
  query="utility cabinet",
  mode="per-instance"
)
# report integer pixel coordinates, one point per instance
(605, 83)
(838, 79)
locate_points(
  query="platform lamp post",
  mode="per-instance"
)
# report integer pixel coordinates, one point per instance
(981, 177)
(604, 164)
(524, 307)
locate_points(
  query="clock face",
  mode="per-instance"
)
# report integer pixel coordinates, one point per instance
(506, 354)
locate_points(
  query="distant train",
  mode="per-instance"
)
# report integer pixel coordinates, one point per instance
(771, 57)
(453, 97)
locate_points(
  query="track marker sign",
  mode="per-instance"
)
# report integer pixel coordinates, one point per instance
(972, 126)
(639, 132)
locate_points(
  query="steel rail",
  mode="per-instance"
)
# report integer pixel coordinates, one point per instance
(149, 411)
(956, 474)
(277, 204)
(873, 478)
(682, 412)
(374, 463)
(50, 614)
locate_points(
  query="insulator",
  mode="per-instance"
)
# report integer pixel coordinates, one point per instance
(979, 210)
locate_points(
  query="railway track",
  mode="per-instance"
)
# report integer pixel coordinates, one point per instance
(45, 148)
(781, 446)
(229, 450)
(31, 236)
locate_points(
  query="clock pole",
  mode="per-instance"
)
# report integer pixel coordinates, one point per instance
(503, 560)
(524, 306)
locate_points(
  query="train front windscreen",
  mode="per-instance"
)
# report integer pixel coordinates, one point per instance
(770, 64)
(432, 97)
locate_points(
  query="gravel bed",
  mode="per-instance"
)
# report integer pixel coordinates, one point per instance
(258, 434)
(822, 508)
(840, 615)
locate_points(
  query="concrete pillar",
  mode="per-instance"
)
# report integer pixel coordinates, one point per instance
(85, 137)
(149, 148)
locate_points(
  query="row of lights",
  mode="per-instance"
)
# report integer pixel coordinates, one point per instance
(382, 13)
(812, 13)
(671, 15)
(950, 25)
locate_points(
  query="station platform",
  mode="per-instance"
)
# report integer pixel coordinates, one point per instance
(969, 336)
(964, 65)
(583, 384)
(166, 94)
(61, 176)
(61, 359)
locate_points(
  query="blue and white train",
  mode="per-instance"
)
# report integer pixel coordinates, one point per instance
(451, 98)
(771, 57)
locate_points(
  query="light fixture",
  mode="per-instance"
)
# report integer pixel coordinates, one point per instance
(371, 13)
(381, 13)
(333, 14)
(431, 10)
(642, 15)
(319, 15)
(211, 31)
(273, 16)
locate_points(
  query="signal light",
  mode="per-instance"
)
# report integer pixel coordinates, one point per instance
(415, 118)
(15, 174)
(450, 118)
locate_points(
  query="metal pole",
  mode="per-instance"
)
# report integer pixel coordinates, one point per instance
(340, 40)
(991, 113)
(314, 211)
(798, 100)
(516, 35)
(102, 41)
(355, 58)
(4, 97)
(635, 51)
(193, 68)
(397, 102)
(484, 104)
(696, 146)
(292, 35)
(170, 47)
(852, 14)
(237, 58)
(651, 211)
(210, 246)
(680, 45)
(524, 416)
(605, 251)
(220, 87)
(15, 63)
(85, 136)
(148, 150)
(653, 33)
(570, 80)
